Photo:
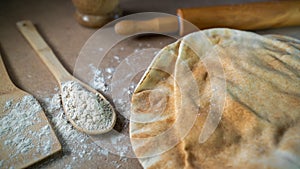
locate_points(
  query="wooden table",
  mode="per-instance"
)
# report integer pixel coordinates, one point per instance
(56, 23)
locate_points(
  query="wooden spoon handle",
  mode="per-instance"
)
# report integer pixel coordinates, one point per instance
(43, 50)
(6, 83)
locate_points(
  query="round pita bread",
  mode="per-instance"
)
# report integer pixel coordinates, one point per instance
(220, 98)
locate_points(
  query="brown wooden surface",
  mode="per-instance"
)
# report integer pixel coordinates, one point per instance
(54, 19)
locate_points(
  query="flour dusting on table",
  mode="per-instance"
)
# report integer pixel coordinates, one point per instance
(98, 81)
(77, 147)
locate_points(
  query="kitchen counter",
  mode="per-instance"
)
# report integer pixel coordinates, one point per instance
(54, 20)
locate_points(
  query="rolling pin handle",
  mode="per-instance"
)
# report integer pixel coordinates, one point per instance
(157, 25)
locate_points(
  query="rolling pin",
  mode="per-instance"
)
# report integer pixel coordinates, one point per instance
(249, 16)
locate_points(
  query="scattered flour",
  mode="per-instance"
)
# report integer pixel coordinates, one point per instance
(77, 147)
(17, 135)
(88, 110)
(117, 58)
(98, 81)
(110, 70)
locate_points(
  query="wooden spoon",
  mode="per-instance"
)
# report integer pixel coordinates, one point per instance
(9, 93)
(60, 73)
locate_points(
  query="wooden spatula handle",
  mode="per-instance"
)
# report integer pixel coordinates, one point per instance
(250, 16)
(43, 50)
(6, 83)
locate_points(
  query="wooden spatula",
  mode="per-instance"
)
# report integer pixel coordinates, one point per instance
(26, 136)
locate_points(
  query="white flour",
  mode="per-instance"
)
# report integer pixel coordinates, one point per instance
(17, 135)
(8, 104)
(76, 146)
(88, 110)
(98, 81)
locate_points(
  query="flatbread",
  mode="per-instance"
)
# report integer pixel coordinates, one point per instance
(220, 98)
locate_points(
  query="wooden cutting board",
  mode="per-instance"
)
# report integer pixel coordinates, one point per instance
(26, 136)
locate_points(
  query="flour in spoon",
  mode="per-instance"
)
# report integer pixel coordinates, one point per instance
(87, 109)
